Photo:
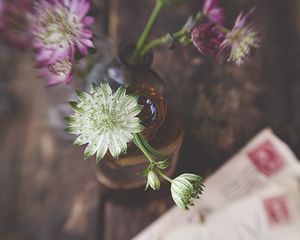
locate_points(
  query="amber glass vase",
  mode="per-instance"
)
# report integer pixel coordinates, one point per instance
(161, 129)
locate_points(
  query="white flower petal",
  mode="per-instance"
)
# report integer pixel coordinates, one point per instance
(82, 139)
(114, 146)
(90, 150)
(102, 149)
(105, 120)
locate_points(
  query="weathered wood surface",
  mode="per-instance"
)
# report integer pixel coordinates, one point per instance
(48, 192)
(222, 106)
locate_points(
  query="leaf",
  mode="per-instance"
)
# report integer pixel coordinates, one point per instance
(162, 164)
(146, 171)
(152, 150)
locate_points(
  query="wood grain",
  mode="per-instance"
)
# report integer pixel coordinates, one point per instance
(48, 192)
(222, 106)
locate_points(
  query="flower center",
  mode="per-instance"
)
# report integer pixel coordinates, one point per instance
(61, 68)
(60, 25)
(243, 40)
(107, 120)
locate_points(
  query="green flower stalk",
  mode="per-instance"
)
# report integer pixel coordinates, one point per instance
(182, 36)
(138, 51)
(106, 121)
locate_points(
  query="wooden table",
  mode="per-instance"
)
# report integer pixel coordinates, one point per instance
(48, 192)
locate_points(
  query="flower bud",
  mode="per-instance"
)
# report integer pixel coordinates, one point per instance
(213, 11)
(153, 181)
(185, 188)
(162, 164)
(207, 38)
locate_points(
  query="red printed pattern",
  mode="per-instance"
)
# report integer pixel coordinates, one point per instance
(266, 159)
(277, 210)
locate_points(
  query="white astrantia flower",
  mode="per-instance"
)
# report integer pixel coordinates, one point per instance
(185, 188)
(104, 120)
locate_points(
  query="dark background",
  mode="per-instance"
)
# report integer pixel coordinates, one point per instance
(48, 192)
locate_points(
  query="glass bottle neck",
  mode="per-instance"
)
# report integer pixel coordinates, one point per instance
(124, 59)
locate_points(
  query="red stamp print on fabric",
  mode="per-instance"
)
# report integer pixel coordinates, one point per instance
(277, 210)
(266, 158)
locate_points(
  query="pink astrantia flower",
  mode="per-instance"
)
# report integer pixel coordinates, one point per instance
(58, 28)
(207, 38)
(214, 12)
(243, 39)
(58, 25)
(13, 22)
(60, 71)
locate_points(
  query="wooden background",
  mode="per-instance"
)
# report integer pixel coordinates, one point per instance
(48, 192)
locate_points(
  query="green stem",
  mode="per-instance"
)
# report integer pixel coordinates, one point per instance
(154, 43)
(137, 141)
(140, 44)
(161, 41)
(151, 150)
(159, 172)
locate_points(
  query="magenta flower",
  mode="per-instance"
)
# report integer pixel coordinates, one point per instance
(60, 29)
(61, 24)
(207, 38)
(243, 39)
(58, 72)
(13, 22)
(214, 12)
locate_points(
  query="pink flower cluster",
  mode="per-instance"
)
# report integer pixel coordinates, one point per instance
(56, 30)
(59, 30)
(212, 38)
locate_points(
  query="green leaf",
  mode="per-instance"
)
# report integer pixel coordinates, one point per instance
(152, 150)
(146, 171)
(162, 164)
